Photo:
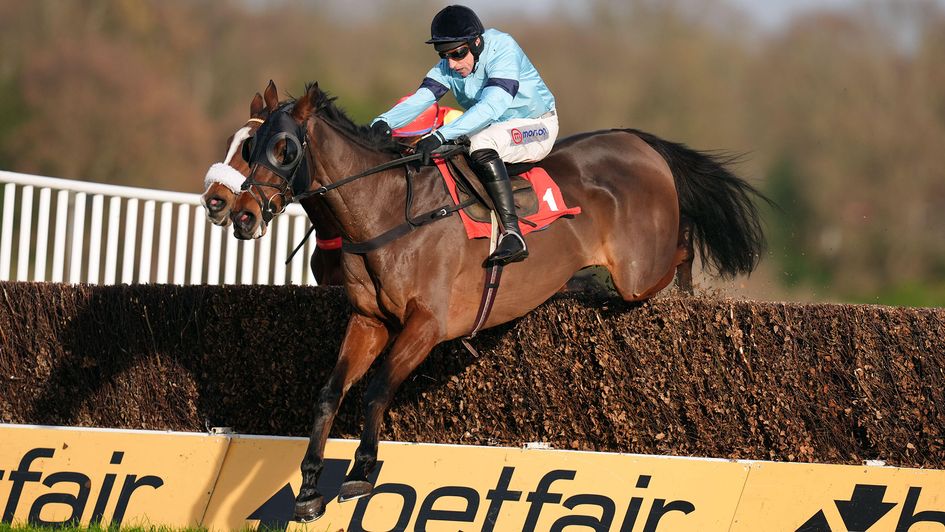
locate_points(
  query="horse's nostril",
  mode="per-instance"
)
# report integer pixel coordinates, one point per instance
(245, 217)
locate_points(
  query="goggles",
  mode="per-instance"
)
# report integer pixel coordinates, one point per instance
(457, 55)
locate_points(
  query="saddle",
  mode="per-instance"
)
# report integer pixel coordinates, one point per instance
(469, 186)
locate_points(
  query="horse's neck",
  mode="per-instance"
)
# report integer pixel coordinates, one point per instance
(365, 207)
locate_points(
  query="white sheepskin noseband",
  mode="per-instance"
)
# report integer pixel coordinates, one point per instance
(226, 175)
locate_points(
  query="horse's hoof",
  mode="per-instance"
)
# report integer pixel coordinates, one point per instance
(308, 511)
(354, 489)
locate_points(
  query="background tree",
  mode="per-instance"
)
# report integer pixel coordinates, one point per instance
(840, 113)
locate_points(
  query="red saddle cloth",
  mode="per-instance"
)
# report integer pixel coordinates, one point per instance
(551, 204)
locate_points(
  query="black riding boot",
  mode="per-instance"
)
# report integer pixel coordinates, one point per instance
(492, 172)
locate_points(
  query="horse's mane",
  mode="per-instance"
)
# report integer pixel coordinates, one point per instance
(326, 109)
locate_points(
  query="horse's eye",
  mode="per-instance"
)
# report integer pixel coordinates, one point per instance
(283, 151)
(290, 152)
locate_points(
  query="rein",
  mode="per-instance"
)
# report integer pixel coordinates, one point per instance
(321, 191)
(398, 231)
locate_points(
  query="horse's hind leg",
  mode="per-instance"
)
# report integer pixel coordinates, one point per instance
(636, 291)
(640, 272)
(684, 269)
(642, 259)
(413, 344)
(364, 340)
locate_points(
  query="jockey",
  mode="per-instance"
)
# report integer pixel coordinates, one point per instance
(510, 114)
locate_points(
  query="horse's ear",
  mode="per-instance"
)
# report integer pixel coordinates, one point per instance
(272, 97)
(257, 106)
(306, 105)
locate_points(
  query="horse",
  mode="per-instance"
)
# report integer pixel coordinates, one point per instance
(645, 202)
(220, 195)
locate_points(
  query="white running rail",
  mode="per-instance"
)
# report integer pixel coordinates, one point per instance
(61, 230)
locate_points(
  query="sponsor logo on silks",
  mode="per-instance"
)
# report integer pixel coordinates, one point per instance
(525, 135)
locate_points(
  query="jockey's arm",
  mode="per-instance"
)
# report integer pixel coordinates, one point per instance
(487, 110)
(434, 86)
(501, 86)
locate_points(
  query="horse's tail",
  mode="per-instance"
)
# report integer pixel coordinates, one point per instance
(726, 226)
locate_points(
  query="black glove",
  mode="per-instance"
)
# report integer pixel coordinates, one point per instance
(381, 129)
(427, 145)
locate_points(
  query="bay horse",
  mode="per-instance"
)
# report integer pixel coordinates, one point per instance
(424, 288)
(220, 198)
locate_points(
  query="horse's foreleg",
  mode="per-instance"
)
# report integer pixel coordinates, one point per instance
(364, 340)
(413, 344)
(326, 266)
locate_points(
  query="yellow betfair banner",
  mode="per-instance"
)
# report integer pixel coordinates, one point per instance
(450, 488)
(825, 498)
(50, 476)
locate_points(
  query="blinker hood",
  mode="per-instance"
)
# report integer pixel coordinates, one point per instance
(290, 162)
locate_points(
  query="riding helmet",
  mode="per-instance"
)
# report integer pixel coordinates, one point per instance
(453, 26)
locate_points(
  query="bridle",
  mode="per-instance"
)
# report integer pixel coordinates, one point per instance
(294, 146)
(266, 203)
